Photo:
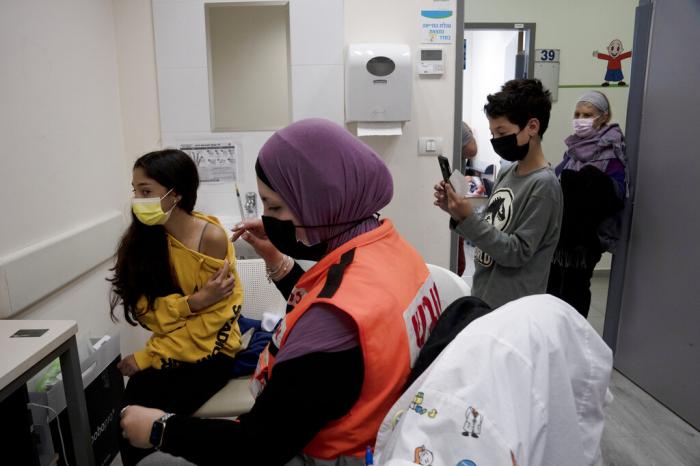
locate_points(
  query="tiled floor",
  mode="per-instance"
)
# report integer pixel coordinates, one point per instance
(640, 431)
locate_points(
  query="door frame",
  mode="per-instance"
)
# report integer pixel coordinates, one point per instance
(530, 38)
(459, 79)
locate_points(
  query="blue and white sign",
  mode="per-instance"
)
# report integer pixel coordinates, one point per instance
(437, 26)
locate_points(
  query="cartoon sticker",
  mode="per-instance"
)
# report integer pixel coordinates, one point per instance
(614, 57)
(423, 456)
(472, 426)
(396, 418)
(417, 406)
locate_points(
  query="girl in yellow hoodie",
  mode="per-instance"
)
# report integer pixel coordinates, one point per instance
(176, 276)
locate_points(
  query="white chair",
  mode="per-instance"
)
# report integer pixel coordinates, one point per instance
(449, 285)
(259, 295)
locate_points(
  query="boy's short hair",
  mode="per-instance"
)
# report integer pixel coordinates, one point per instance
(519, 100)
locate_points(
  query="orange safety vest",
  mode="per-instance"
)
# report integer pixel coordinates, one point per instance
(384, 285)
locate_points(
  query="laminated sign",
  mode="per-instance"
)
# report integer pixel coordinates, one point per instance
(216, 162)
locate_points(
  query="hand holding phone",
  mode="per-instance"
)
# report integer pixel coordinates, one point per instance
(444, 168)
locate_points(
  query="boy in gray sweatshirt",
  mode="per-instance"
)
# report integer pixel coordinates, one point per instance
(518, 233)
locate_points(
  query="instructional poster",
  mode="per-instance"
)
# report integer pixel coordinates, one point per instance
(216, 162)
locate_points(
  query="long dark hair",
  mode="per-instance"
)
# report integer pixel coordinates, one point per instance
(143, 263)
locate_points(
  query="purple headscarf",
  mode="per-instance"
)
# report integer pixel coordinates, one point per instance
(327, 177)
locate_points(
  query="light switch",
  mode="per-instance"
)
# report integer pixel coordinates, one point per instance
(430, 145)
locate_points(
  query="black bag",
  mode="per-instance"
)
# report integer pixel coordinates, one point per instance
(453, 320)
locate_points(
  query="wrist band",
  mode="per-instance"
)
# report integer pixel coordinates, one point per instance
(279, 271)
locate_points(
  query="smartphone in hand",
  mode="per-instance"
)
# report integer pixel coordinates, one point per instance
(444, 168)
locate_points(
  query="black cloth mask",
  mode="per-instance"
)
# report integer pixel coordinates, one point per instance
(508, 149)
(282, 235)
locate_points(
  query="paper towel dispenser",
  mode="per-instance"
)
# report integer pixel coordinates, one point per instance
(378, 78)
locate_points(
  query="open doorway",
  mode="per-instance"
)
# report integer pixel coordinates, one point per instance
(493, 54)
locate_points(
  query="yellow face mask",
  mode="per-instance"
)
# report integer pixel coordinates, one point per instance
(148, 210)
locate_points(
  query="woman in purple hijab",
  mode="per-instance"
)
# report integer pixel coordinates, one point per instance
(355, 320)
(593, 182)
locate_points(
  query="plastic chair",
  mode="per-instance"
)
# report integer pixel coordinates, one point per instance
(450, 285)
(259, 296)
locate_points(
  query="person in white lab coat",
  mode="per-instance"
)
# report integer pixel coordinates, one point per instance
(524, 385)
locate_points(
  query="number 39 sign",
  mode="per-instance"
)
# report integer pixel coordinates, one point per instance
(548, 55)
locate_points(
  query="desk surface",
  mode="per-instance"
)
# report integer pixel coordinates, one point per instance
(21, 354)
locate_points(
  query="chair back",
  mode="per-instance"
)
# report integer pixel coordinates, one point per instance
(449, 285)
(259, 294)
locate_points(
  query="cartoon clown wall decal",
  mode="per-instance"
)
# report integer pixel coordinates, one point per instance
(614, 58)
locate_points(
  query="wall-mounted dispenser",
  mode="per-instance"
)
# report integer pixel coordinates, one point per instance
(378, 81)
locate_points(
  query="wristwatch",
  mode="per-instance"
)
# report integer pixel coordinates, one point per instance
(158, 429)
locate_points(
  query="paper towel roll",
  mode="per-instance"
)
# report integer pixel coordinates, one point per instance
(384, 128)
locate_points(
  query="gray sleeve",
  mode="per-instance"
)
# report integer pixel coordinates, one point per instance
(516, 248)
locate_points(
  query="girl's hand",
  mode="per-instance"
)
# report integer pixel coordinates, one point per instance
(217, 288)
(127, 366)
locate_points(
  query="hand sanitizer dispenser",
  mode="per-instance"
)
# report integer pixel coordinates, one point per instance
(378, 79)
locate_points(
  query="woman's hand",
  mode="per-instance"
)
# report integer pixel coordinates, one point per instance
(127, 366)
(253, 233)
(217, 288)
(448, 200)
(137, 422)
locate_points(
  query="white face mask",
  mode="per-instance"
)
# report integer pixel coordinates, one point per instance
(583, 127)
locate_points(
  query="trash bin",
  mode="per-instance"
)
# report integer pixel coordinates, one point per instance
(104, 389)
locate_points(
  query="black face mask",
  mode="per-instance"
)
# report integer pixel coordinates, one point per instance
(508, 149)
(282, 235)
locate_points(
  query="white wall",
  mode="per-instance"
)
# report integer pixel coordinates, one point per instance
(432, 114)
(138, 88)
(576, 28)
(62, 161)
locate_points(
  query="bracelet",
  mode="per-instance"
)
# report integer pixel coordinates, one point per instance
(270, 271)
(287, 264)
(279, 271)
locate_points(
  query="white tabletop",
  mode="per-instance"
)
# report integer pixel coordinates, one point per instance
(20, 354)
